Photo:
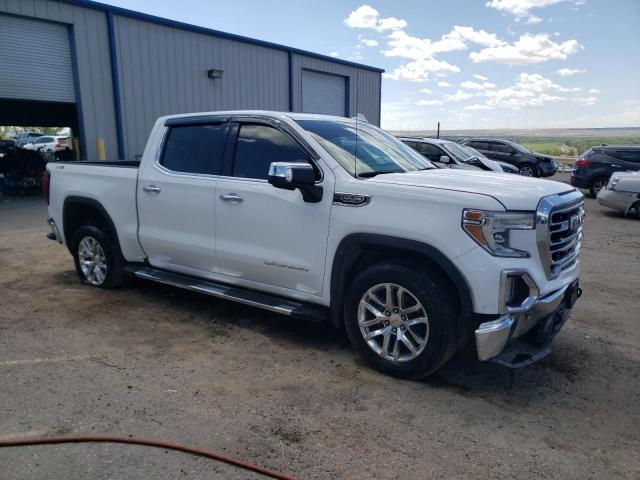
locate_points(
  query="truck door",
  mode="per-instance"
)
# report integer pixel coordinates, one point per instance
(176, 195)
(268, 237)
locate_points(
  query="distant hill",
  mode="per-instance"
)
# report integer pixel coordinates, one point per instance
(523, 132)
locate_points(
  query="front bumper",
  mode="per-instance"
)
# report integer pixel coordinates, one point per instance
(520, 338)
(547, 169)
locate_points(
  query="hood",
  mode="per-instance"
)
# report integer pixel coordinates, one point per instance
(515, 192)
(544, 158)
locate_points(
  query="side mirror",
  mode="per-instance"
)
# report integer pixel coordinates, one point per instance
(292, 175)
(445, 159)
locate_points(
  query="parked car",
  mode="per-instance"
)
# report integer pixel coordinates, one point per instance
(7, 147)
(622, 193)
(26, 137)
(443, 153)
(319, 217)
(490, 164)
(49, 143)
(528, 163)
(595, 166)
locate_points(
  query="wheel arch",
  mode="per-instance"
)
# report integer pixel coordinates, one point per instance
(77, 210)
(358, 249)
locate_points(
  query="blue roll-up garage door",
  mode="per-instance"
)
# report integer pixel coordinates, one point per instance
(35, 63)
(323, 93)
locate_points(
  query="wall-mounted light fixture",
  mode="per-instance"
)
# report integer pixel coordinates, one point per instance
(214, 73)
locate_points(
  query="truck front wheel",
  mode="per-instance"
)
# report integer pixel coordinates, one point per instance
(401, 319)
(98, 261)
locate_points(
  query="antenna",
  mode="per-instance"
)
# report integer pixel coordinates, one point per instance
(355, 150)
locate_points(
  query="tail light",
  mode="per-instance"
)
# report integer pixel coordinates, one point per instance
(46, 181)
(583, 163)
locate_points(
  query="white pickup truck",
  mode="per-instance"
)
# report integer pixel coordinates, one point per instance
(322, 217)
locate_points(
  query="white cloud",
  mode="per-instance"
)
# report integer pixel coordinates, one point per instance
(587, 100)
(368, 42)
(458, 96)
(477, 106)
(444, 84)
(364, 16)
(390, 23)
(528, 49)
(424, 90)
(594, 90)
(480, 77)
(420, 70)
(477, 86)
(334, 54)
(521, 8)
(530, 90)
(429, 103)
(567, 72)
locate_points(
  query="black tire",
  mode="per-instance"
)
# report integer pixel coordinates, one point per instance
(635, 209)
(115, 275)
(597, 184)
(438, 305)
(528, 170)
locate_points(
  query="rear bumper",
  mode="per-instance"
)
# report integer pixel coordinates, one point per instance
(54, 234)
(620, 201)
(518, 339)
(579, 182)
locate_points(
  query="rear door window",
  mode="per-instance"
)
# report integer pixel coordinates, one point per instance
(432, 152)
(631, 156)
(501, 147)
(479, 145)
(260, 145)
(197, 149)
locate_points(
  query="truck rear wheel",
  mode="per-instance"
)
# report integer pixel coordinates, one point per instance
(97, 258)
(400, 320)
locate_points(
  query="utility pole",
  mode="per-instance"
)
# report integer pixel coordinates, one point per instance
(438, 134)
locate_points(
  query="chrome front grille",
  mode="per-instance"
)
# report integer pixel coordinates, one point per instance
(559, 231)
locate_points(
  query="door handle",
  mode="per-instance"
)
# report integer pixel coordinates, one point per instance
(231, 197)
(151, 189)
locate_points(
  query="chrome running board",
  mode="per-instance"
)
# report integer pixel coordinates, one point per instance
(266, 301)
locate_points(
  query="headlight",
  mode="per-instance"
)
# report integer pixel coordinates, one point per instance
(613, 182)
(491, 230)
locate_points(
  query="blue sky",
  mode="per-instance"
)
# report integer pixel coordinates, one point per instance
(465, 63)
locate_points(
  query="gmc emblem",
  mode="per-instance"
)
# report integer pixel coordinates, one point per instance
(574, 223)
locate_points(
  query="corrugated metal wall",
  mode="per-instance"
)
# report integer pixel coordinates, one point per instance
(94, 70)
(162, 70)
(364, 86)
(323, 93)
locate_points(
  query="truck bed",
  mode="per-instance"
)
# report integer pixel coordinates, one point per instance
(111, 185)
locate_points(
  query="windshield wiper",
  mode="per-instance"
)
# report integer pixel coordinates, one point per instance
(373, 174)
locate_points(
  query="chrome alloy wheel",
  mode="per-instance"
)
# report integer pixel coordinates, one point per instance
(93, 262)
(599, 185)
(393, 322)
(526, 171)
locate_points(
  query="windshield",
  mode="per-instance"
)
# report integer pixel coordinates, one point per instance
(519, 148)
(457, 151)
(474, 153)
(365, 151)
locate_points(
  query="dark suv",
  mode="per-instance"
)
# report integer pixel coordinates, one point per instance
(528, 163)
(594, 167)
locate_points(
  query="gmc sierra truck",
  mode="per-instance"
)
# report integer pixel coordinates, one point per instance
(321, 217)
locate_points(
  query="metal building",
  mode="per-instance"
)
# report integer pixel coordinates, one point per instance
(109, 73)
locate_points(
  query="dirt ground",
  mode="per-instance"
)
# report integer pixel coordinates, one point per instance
(153, 361)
